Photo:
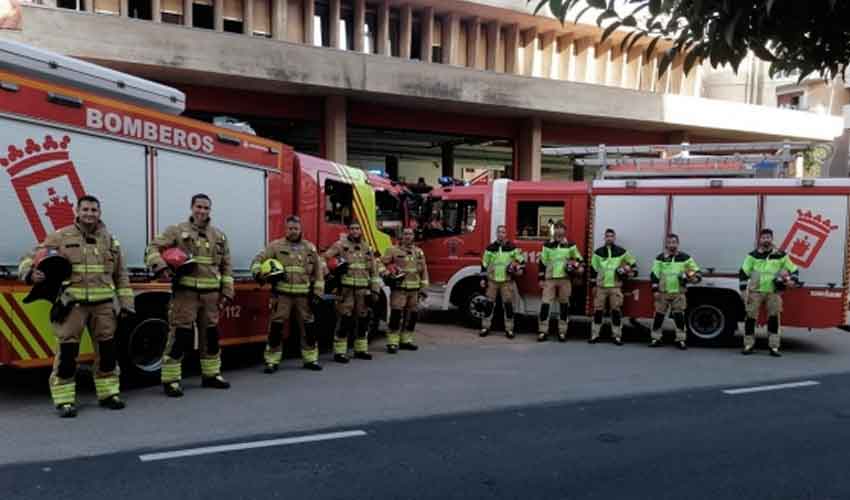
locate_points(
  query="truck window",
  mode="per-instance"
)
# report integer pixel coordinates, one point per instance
(338, 202)
(535, 220)
(389, 214)
(451, 218)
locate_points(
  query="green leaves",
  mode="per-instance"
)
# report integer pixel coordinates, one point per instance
(795, 36)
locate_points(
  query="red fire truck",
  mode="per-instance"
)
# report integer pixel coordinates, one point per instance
(717, 219)
(69, 128)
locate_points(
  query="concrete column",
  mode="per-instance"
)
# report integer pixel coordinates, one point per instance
(427, 33)
(581, 53)
(547, 46)
(188, 20)
(335, 133)
(473, 41)
(494, 32)
(248, 17)
(527, 149)
(334, 9)
(647, 73)
(662, 82)
(308, 9)
(383, 44)
(405, 31)
(359, 21)
(631, 74)
(616, 66)
(124, 9)
(528, 45)
(565, 53)
(280, 18)
(511, 48)
(156, 10)
(602, 55)
(677, 74)
(451, 35)
(218, 15)
(89, 5)
(448, 160)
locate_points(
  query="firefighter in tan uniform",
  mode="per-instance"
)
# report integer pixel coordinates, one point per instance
(765, 273)
(407, 275)
(501, 262)
(610, 265)
(671, 273)
(196, 296)
(559, 260)
(354, 259)
(86, 300)
(293, 268)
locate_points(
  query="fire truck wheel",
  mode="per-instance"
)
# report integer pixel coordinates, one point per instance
(141, 344)
(711, 319)
(473, 308)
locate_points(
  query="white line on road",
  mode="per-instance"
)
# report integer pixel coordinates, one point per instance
(762, 388)
(207, 450)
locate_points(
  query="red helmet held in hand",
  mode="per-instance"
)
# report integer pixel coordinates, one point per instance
(177, 259)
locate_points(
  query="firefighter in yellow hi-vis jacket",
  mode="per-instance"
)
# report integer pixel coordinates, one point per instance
(81, 269)
(293, 268)
(353, 259)
(202, 284)
(407, 275)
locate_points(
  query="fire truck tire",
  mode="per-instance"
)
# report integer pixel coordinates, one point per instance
(473, 306)
(141, 341)
(712, 318)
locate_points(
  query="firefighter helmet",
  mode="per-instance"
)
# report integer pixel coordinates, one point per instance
(394, 276)
(177, 259)
(56, 269)
(272, 270)
(338, 265)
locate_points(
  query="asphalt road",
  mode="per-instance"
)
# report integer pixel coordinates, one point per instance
(463, 417)
(700, 444)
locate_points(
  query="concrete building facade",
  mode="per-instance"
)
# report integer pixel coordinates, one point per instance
(418, 88)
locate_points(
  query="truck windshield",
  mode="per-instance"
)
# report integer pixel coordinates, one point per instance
(389, 214)
(450, 218)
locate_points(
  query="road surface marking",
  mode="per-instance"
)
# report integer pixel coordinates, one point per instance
(207, 450)
(762, 388)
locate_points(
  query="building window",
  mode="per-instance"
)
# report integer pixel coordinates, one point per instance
(110, 7)
(71, 4)
(321, 25)
(233, 16)
(171, 11)
(370, 31)
(262, 18)
(451, 218)
(437, 42)
(416, 37)
(395, 32)
(203, 15)
(346, 26)
(536, 220)
(338, 202)
(139, 9)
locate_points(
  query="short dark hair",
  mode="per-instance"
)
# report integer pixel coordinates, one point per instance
(560, 225)
(674, 236)
(500, 226)
(200, 196)
(88, 198)
(293, 219)
(354, 222)
(610, 231)
(766, 231)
